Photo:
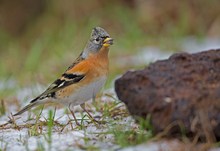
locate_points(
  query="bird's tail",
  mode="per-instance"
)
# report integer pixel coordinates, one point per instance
(27, 107)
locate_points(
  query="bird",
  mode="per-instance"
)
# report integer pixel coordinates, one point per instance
(83, 79)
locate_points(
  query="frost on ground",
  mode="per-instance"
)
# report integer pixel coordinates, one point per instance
(30, 133)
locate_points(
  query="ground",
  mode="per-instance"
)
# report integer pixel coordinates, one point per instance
(53, 128)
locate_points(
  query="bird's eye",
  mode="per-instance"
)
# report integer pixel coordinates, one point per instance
(97, 39)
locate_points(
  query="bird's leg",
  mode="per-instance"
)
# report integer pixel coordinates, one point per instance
(90, 116)
(77, 123)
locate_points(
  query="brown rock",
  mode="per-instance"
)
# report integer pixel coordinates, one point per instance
(182, 91)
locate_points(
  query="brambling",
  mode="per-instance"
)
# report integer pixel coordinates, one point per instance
(83, 79)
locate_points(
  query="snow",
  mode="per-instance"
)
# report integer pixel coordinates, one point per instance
(63, 137)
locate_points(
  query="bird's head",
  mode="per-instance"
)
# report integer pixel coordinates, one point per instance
(99, 38)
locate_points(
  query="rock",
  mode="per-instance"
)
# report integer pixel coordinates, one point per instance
(182, 91)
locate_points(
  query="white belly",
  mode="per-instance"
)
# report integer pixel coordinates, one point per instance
(84, 93)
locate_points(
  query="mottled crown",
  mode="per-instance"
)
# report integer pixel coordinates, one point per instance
(99, 32)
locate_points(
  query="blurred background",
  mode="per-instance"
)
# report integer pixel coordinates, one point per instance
(39, 39)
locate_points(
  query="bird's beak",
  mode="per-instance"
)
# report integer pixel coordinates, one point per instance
(108, 42)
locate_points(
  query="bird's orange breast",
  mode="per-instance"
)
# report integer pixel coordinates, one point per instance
(95, 64)
(94, 67)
